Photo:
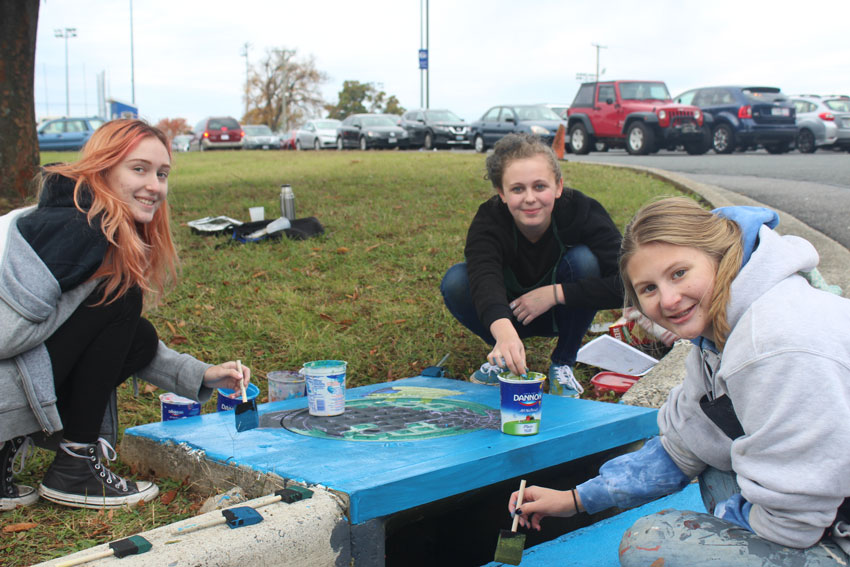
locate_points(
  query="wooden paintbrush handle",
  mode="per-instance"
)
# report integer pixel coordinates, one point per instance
(241, 382)
(518, 504)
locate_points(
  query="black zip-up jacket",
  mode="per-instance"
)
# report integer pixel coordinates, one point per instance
(61, 235)
(491, 245)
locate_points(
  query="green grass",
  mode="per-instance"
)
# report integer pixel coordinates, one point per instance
(366, 292)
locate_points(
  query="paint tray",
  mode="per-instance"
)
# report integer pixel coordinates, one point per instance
(612, 382)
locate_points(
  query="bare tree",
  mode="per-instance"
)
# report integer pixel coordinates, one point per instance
(283, 90)
(19, 157)
(174, 126)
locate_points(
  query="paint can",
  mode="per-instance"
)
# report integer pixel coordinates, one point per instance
(226, 403)
(177, 407)
(521, 403)
(325, 386)
(286, 384)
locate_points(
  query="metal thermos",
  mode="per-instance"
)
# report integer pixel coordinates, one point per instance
(287, 202)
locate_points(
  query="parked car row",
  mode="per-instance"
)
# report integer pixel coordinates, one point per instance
(639, 116)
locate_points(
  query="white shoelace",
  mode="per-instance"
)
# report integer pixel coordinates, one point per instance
(487, 368)
(108, 453)
(564, 375)
(21, 455)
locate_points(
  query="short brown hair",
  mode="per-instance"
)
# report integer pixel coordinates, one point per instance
(518, 146)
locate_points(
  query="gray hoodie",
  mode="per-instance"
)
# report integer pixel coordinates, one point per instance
(32, 307)
(786, 369)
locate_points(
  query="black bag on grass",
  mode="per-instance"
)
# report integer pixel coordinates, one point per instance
(300, 229)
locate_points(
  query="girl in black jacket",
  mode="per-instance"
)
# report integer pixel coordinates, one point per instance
(541, 259)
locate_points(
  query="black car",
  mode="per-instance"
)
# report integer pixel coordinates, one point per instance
(746, 117)
(367, 131)
(429, 128)
(499, 121)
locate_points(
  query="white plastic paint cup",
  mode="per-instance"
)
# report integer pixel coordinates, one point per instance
(325, 386)
(286, 384)
(177, 407)
(521, 403)
(257, 213)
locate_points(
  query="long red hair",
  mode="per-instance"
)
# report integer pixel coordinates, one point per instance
(139, 254)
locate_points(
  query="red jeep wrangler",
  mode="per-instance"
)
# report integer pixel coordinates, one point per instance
(639, 115)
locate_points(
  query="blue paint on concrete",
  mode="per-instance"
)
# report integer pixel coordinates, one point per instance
(598, 545)
(384, 478)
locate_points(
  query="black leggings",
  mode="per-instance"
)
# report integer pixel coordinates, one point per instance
(93, 352)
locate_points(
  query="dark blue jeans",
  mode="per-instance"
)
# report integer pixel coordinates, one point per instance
(578, 263)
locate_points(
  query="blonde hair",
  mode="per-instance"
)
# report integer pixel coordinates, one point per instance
(682, 222)
(140, 255)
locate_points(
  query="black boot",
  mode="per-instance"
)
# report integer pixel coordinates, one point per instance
(14, 495)
(78, 478)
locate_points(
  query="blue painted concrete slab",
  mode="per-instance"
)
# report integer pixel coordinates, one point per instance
(384, 478)
(598, 545)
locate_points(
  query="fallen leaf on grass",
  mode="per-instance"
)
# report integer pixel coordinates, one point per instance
(171, 328)
(149, 389)
(22, 527)
(168, 497)
(178, 340)
(258, 274)
(342, 250)
(209, 307)
(370, 248)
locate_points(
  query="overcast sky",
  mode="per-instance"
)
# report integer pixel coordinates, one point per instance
(189, 64)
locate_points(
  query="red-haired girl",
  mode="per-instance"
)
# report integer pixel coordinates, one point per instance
(74, 274)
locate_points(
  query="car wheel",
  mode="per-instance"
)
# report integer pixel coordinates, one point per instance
(723, 139)
(429, 141)
(778, 147)
(479, 144)
(579, 140)
(339, 144)
(364, 145)
(316, 145)
(640, 139)
(806, 141)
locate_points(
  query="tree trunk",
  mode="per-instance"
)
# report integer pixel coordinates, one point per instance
(19, 157)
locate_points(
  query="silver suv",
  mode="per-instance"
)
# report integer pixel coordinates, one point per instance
(822, 122)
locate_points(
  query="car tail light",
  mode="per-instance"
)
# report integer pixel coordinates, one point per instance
(828, 116)
(745, 111)
(206, 134)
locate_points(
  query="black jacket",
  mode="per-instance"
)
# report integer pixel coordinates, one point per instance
(491, 247)
(61, 235)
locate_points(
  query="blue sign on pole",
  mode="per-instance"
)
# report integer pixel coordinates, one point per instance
(423, 58)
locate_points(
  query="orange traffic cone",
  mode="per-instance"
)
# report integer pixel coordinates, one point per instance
(558, 144)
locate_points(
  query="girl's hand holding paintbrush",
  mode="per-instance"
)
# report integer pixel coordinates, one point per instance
(226, 375)
(539, 502)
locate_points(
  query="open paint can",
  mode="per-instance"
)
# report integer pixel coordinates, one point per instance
(286, 384)
(521, 402)
(225, 402)
(177, 407)
(325, 386)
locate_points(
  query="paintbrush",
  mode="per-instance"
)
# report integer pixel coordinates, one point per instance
(133, 545)
(247, 416)
(510, 546)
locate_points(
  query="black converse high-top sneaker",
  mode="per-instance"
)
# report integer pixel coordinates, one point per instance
(79, 478)
(14, 495)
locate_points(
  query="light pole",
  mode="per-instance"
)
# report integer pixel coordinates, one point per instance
(66, 33)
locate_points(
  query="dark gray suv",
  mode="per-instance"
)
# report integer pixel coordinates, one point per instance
(430, 128)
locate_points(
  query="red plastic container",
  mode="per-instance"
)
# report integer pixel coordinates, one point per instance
(612, 382)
